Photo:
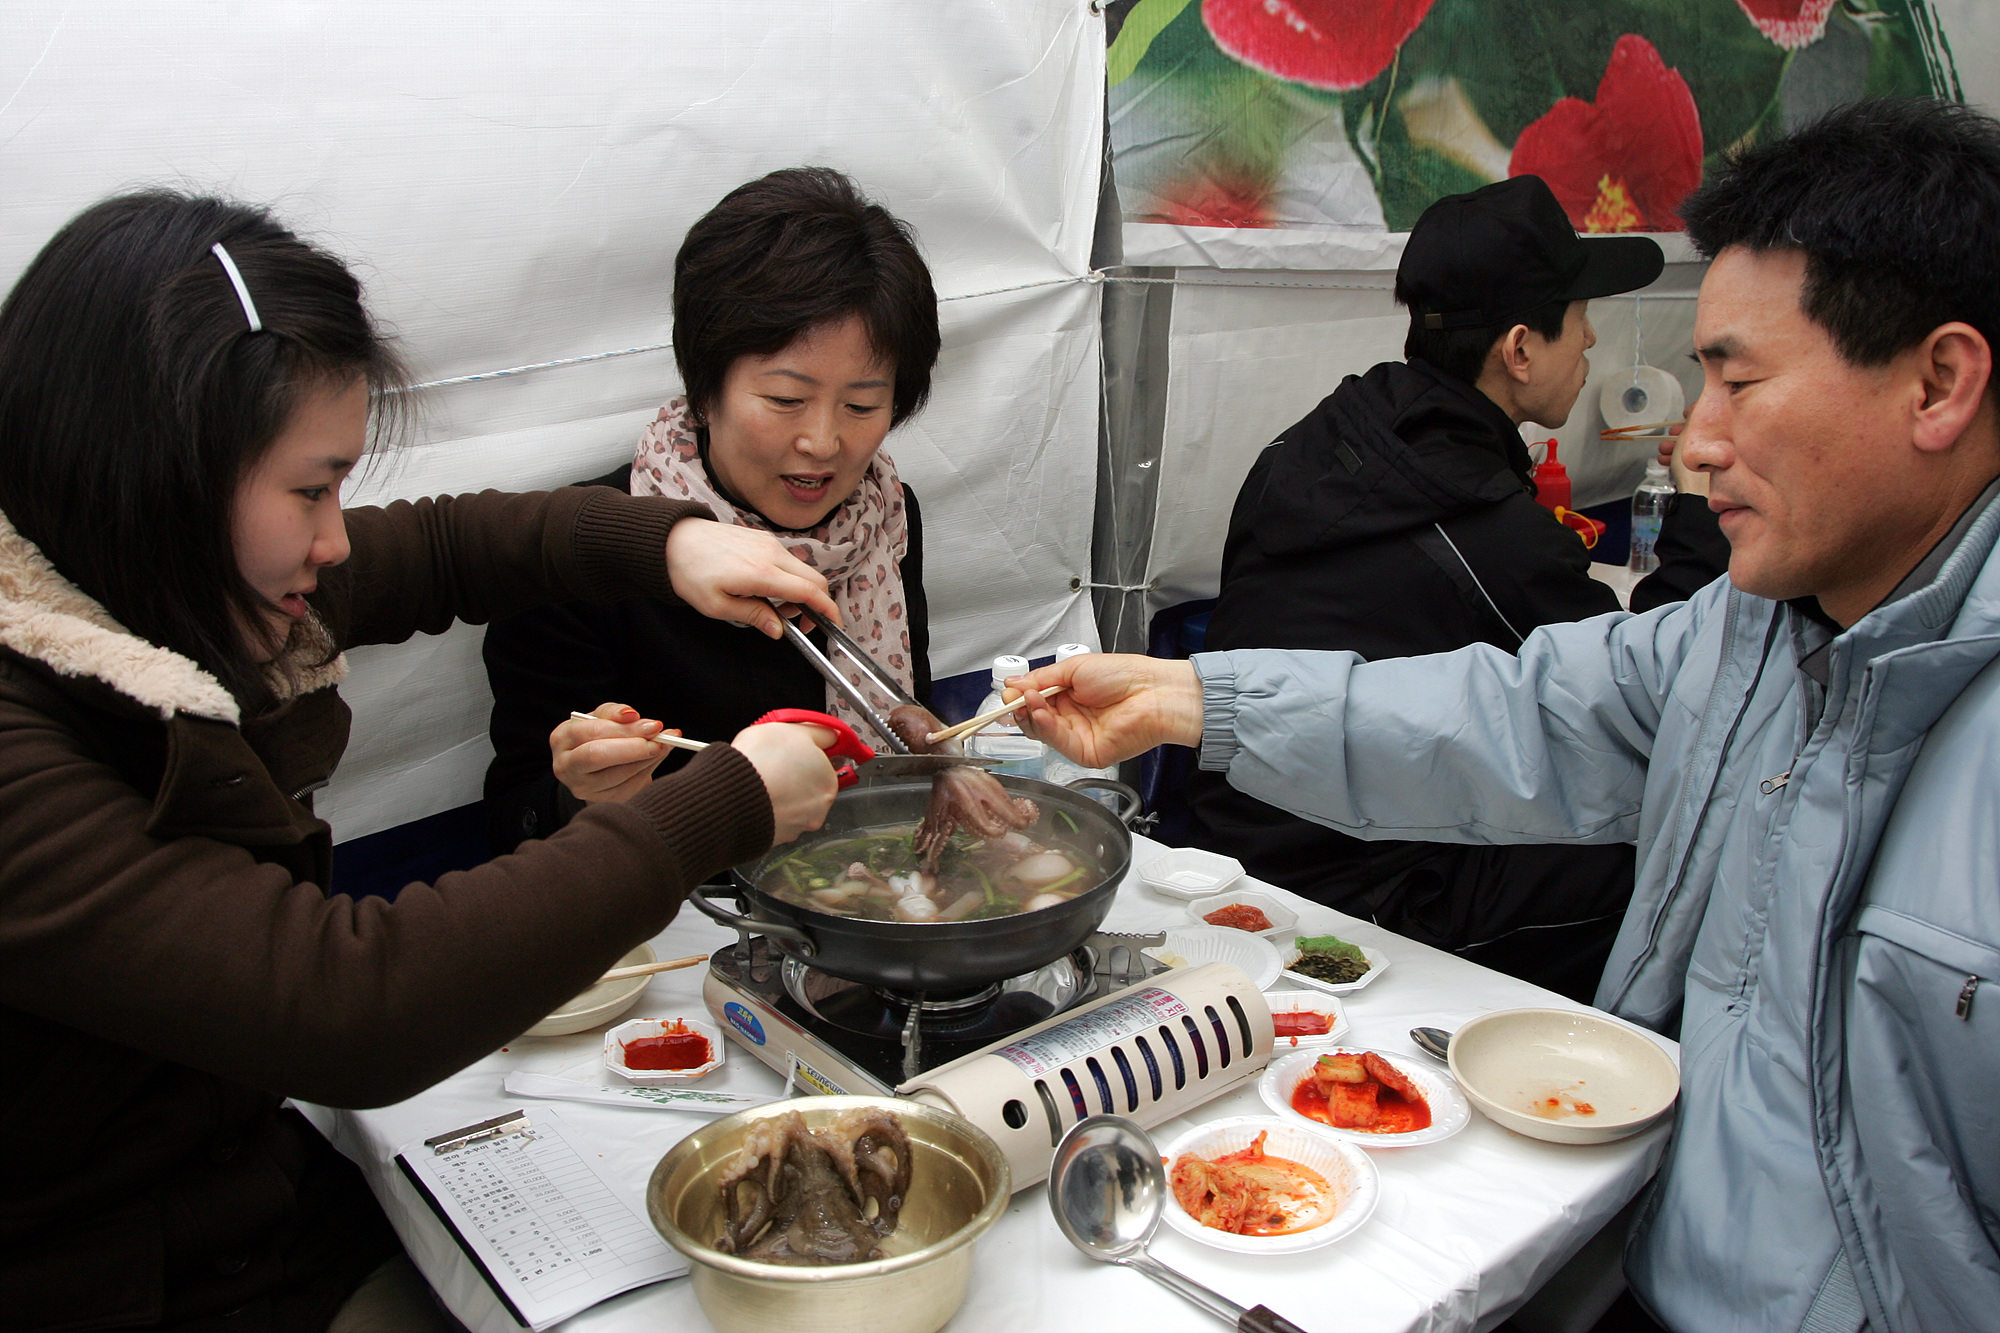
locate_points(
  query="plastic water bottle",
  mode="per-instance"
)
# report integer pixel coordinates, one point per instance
(1649, 506)
(1020, 755)
(1059, 768)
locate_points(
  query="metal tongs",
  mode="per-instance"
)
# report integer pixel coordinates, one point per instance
(900, 761)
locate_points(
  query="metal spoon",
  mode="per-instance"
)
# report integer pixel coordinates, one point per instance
(1108, 1189)
(1434, 1042)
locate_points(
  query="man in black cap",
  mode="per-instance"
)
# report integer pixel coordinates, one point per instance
(1399, 518)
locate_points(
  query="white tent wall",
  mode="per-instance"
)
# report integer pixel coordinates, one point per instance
(512, 179)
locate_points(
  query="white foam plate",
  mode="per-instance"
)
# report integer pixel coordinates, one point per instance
(1450, 1111)
(1378, 963)
(1189, 872)
(1284, 921)
(1343, 1165)
(1253, 955)
(1291, 1001)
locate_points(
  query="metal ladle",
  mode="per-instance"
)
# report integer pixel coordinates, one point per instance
(1108, 1190)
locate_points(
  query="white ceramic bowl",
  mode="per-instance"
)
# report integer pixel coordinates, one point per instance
(1449, 1111)
(1345, 1167)
(1378, 963)
(1189, 872)
(614, 1050)
(602, 1003)
(1253, 955)
(1284, 921)
(1297, 1001)
(1534, 1070)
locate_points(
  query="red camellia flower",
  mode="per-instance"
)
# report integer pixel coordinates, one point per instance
(1335, 44)
(1790, 23)
(1625, 162)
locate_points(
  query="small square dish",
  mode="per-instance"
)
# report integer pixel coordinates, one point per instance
(1280, 921)
(659, 1044)
(1378, 963)
(1296, 1012)
(1189, 872)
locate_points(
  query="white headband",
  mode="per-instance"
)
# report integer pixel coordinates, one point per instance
(242, 292)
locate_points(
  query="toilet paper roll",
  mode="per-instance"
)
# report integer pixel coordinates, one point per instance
(1640, 395)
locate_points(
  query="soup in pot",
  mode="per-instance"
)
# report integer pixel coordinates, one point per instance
(875, 873)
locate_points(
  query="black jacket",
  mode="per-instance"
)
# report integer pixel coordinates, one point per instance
(706, 677)
(1399, 518)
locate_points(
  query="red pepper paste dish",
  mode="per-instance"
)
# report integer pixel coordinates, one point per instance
(1238, 916)
(662, 1050)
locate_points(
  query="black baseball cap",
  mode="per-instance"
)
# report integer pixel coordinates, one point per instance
(1492, 256)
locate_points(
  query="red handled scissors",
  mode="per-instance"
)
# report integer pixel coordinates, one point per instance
(846, 744)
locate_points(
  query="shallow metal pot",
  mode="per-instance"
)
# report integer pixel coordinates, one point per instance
(934, 957)
(959, 1185)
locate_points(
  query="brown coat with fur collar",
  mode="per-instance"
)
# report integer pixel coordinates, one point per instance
(171, 966)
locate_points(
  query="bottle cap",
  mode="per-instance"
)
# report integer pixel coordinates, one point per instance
(1008, 665)
(1065, 651)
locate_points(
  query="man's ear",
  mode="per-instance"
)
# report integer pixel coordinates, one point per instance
(1955, 366)
(1514, 353)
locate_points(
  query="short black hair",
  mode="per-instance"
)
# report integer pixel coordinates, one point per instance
(134, 398)
(1896, 204)
(1461, 353)
(792, 252)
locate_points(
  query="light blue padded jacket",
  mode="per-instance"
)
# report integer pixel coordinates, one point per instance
(1818, 901)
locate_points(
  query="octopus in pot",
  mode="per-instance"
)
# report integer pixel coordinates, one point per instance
(967, 797)
(802, 1197)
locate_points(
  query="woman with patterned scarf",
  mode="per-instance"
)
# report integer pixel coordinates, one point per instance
(805, 328)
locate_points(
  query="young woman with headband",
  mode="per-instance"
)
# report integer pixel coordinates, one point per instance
(184, 385)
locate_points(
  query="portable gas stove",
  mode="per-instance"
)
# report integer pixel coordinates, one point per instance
(1103, 1029)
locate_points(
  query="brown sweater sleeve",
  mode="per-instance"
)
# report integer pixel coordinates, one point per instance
(419, 565)
(208, 958)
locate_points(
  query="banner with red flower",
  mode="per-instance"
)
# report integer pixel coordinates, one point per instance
(1359, 113)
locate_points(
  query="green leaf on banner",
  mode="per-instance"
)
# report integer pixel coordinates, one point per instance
(1909, 55)
(1146, 21)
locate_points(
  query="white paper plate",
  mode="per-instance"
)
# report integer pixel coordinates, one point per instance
(600, 1004)
(1291, 1001)
(1343, 1165)
(1450, 1112)
(1284, 921)
(1253, 955)
(1378, 963)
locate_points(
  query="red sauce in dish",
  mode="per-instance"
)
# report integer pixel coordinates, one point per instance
(1238, 916)
(1393, 1115)
(1302, 1023)
(674, 1048)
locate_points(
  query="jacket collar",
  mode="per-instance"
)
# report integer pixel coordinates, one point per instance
(48, 619)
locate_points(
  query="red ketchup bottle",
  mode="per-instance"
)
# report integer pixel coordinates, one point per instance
(1552, 482)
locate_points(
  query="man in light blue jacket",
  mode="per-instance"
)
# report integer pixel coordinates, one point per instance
(1807, 754)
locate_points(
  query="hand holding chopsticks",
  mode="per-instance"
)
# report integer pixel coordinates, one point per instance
(664, 738)
(972, 724)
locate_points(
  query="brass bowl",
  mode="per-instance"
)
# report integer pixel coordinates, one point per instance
(959, 1185)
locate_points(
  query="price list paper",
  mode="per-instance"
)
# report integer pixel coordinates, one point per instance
(553, 1233)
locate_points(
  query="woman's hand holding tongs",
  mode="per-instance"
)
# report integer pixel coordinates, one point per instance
(734, 573)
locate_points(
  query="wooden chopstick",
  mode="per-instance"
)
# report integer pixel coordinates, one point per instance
(647, 969)
(975, 723)
(1637, 432)
(680, 742)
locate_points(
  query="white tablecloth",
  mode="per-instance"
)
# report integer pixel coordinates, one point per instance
(1465, 1229)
